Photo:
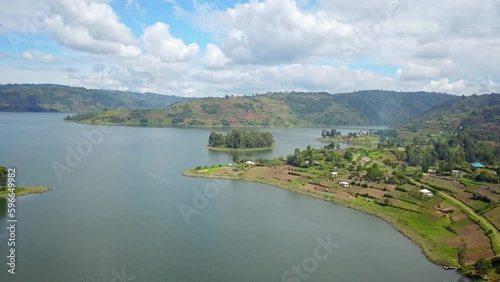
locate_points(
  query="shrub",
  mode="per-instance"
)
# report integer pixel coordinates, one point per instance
(451, 229)
(400, 188)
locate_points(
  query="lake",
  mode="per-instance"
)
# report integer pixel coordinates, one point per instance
(114, 213)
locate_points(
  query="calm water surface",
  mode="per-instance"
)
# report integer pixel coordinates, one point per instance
(116, 216)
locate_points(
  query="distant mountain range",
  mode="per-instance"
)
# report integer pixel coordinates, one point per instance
(373, 107)
(59, 98)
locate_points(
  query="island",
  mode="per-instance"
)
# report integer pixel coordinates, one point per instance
(21, 190)
(362, 139)
(434, 179)
(239, 140)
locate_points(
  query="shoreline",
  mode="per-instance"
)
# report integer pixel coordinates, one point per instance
(25, 190)
(218, 126)
(219, 149)
(424, 245)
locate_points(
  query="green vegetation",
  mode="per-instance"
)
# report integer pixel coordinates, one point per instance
(458, 224)
(281, 109)
(25, 190)
(238, 139)
(59, 98)
(483, 266)
(19, 191)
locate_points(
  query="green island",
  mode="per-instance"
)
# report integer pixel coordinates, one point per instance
(435, 179)
(239, 140)
(20, 191)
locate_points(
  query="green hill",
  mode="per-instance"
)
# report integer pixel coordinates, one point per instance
(281, 109)
(59, 98)
(478, 115)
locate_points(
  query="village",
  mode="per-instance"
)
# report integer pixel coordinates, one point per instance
(453, 218)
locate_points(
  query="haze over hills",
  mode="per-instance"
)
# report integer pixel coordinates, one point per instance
(60, 98)
(374, 107)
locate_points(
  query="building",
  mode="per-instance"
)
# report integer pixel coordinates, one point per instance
(426, 193)
(477, 165)
(334, 173)
(250, 163)
(344, 184)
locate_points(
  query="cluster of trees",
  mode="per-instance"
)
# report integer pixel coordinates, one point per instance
(330, 134)
(455, 150)
(3, 177)
(309, 156)
(238, 139)
(485, 175)
(211, 109)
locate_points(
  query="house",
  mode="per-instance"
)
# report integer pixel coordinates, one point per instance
(431, 171)
(250, 163)
(426, 193)
(344, 184)
(477, 165)
(456, 172)
(334, 173)
(229, 165)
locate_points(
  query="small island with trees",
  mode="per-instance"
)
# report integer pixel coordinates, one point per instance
(240, 140)
(20, 191)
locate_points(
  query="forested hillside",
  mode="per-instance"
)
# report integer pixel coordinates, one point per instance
(282, 109)
(465, 130)
(478, 115)
(59, 98)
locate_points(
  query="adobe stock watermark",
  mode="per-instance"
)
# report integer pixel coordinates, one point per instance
(366, 35)
(34, 24)
(75, 155)
(201, 199)
(119, 276)
(321, 253)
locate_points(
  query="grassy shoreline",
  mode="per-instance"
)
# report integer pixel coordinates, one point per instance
(428, 247)
(25, 190)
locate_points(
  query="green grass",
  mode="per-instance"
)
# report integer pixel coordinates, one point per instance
(21, 191)
(484, 223)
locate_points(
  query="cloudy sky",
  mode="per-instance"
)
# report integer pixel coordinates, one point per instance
(210, 48)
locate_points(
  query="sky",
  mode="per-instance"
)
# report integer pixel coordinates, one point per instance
(202, 48)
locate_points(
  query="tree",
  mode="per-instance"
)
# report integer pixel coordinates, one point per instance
(3, 177)
(462, 254)
(348, 155)
(323, 133)
(425, 167)
(483, 266)
(236, 157)
(374, 173)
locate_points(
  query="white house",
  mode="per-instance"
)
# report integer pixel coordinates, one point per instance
(344, 184)
(250, 163)
(334, 173)
(426, 193)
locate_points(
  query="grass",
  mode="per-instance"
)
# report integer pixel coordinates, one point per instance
(21, 191)
(484, 223)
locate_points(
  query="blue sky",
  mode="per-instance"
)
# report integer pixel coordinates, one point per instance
(211, 48)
